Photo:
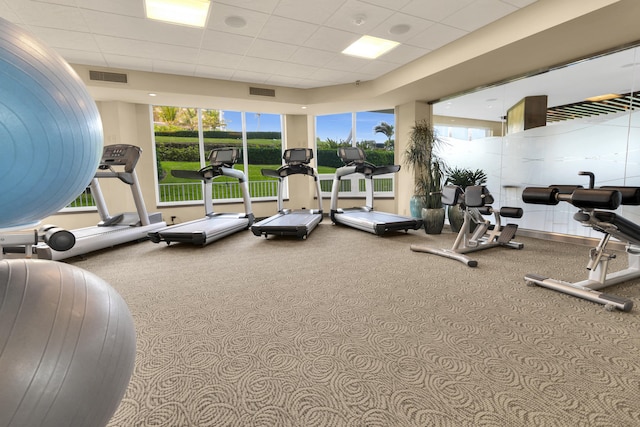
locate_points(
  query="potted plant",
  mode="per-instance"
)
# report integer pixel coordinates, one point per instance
(421, 157)
(463, 178)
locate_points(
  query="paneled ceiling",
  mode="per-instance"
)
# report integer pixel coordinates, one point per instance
(290, 43)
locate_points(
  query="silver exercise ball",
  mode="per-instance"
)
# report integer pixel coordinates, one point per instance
(67, 346)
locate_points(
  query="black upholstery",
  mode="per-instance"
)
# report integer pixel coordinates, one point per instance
(595, 198)
(630, 195)
(541, 195)
(624, 226)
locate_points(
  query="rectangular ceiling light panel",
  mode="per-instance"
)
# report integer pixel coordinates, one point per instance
(185, 12)
(370, 47)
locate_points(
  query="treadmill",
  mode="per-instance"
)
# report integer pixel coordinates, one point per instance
(288, 222)
(111, 230)
(214, 225)
(365, 218)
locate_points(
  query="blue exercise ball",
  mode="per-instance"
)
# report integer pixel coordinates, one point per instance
(67, 346)
(50, 130)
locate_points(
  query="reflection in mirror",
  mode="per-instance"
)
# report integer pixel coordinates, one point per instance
(601, 136)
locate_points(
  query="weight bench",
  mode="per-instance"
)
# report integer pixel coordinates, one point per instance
(476, 201)
(595, 206)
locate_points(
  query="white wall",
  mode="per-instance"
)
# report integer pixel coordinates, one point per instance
(608, 146)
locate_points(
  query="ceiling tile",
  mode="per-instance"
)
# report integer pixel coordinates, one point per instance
(335, 76)
(389, 4)
(416, 26)
(347, 63)
(358, 17)
(255, 20)
(259, 65)
(48, 15)
(434, 10)
(295, 41)
(520, 3)
(110, 24)
(123, 61)
(168, 67)
(313, 57)
(120, 7)
(250, 76)
(226, 42)
(75, 56)
(436, 36)
(478, 14)
(287, 30)
(266, 6)
(213, 72)
(316, 12)
(145, 49)
(210, 58)
(331, 40)
(403, 54)
(271, 50)
(288, 69)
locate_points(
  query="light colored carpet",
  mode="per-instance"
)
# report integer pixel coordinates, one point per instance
(352, 329)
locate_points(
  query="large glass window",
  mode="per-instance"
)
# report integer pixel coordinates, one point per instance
(184, 137)
(373, 131)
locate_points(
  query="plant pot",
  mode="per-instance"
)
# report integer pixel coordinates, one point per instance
(433, 220)
(416, 203)
(456, 217)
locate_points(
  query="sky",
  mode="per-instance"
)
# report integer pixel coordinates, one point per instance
(334, 126)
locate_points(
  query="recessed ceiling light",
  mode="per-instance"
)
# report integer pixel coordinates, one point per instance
(235, 21)
(370, 47)
(153, 94)
(185, 12)
(399, 29)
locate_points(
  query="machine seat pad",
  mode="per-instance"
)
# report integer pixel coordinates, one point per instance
(477, 195)
(541, 195)
(451, 195)
(630, 195)
(626, 227)
(595, 198)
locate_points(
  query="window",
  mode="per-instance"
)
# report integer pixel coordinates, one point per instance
(373, 131)
(184, 137)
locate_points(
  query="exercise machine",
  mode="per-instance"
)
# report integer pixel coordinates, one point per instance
(24, 243)
(214, 225)
(595, 206)
(118, 161)
(366, 218)
(289, 222)
(477, 233)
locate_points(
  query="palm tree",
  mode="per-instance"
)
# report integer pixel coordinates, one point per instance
(165, 114)
(387, 130)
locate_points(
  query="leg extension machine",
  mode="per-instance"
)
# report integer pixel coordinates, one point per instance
(476, 201)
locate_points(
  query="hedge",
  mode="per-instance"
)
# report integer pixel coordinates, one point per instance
(189, 152)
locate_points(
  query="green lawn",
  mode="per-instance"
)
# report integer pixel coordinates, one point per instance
(253, 175)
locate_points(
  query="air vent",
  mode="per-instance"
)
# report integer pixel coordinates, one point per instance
(261, 91)
(107, 77)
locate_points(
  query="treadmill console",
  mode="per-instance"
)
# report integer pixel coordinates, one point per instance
(224, 156)
(297, 156)
(120, 155)
(351, 155)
